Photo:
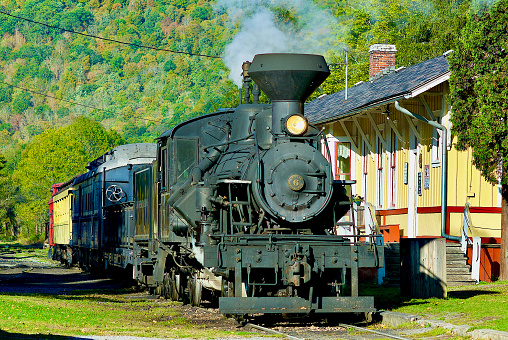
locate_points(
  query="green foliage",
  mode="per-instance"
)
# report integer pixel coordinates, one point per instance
(45, 73)
(36, 53)
(76, 19)
(117, 63)
(89, 89)
(34, 130)
(126, 83)
(55, 156)
(169, 66)
(42, 111)
(7, 193)
(5, 126)
(62, 112)
(200, 13)
(5, 93)
(21, 102)
(5, 52)
(479, 90)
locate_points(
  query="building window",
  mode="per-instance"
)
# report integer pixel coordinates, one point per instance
(437, 144)
(343, 167)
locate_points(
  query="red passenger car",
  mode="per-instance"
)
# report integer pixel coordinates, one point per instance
(51, 231)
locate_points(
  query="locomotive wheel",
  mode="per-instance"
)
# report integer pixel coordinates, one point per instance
(228, 288)
(195, 290)
(170, 288)
(175, 287)
(164, 286)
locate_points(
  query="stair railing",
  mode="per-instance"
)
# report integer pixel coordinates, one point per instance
(372, 228)
(476, 243)
(466, 228)
(369, 220)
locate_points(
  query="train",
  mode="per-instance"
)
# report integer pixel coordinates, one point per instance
(239, 206)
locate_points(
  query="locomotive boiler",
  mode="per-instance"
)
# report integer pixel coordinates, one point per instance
(242, 203)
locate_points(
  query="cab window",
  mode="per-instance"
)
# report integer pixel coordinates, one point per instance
(186, 158)
(163, 167)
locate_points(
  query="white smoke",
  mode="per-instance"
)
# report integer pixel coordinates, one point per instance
(308, 32)
(258, 35)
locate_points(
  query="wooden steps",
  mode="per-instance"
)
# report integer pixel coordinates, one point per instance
(392, 264)
(458, 272)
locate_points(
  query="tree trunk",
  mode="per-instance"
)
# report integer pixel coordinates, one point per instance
(503, 275)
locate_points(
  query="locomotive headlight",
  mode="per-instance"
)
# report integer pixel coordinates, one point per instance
(296, 125)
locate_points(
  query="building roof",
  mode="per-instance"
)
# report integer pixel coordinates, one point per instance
(404, 83)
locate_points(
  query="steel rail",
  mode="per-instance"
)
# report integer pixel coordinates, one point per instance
(373, 331)
(261, 328)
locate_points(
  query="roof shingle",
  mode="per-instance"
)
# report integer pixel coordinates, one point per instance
(388, 88)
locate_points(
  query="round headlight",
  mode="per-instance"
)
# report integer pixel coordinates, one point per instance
(296, 125)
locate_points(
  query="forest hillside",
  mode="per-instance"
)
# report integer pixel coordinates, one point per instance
(131, 69)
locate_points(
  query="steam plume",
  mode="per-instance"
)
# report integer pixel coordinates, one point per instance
(308, 30)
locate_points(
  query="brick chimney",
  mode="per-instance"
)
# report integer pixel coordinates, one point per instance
(382, 58)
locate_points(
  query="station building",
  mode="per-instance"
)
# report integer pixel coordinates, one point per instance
(393, 136)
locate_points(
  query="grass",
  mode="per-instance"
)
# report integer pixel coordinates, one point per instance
(480, 306)
(117, 313)
(99, 314)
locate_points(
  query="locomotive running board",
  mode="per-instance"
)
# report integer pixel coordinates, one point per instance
(295, 305)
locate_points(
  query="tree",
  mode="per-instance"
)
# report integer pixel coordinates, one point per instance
(7, 198)
(55, 156)
(479, 96)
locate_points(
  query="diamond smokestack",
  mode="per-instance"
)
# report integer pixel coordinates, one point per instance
(288, 79)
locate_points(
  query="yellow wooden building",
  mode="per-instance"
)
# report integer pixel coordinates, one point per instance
(393, 136)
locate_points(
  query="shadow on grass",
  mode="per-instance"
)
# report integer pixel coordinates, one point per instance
(18, 246)
(466, 294)
(63, 284)
(7, 335)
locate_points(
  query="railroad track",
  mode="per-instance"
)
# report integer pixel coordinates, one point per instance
(310, 329)
(344, 333)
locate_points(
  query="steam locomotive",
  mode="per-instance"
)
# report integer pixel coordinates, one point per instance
(239, 204)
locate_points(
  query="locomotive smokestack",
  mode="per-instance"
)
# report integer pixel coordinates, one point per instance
(288, 77)
(288, 80)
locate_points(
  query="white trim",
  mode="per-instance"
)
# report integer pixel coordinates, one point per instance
(437, 147)
(392, 175)
(365, 176)
(412, 202)
(423, 88)
(380, 174)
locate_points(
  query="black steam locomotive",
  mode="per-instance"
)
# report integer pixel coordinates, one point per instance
(242, 203)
